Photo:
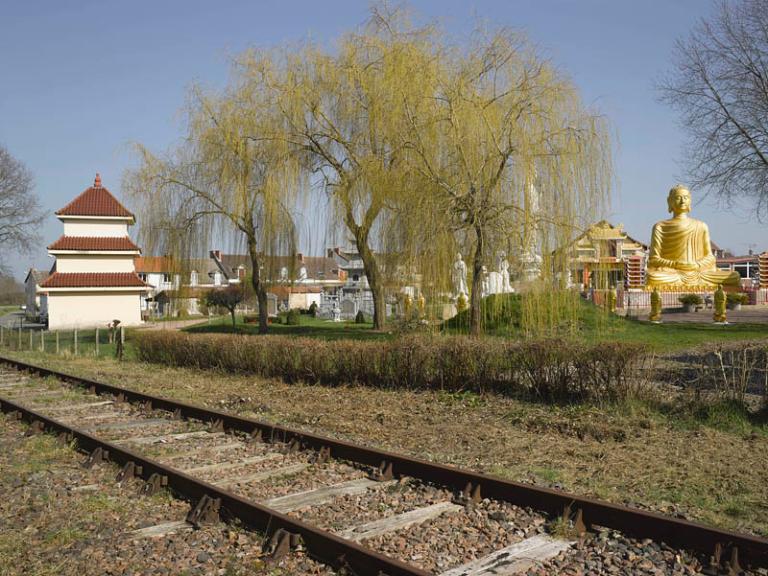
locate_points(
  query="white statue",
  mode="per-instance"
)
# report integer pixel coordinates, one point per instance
(459, 277)
(503, 268)
(302, 274)
(283, 274)
(485, 282)
(336, 312)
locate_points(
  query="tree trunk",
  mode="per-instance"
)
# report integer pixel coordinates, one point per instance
(257, 284)
(475, 317)
(371, 268)
(232, 312)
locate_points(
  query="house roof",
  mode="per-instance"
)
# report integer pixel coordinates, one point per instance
(94, 243)
(95, 201)
(318, 267)
(93, 280)
(38, 276)
(169, 264)
(153, 264)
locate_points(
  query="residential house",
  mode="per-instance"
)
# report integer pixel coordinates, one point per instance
(599, 256)
(93, 281)
(176, 285)
(37, 303)
(296, 282)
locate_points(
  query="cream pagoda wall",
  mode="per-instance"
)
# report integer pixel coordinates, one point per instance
(94, 263)
(68, 310)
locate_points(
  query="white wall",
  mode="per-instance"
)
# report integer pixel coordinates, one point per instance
(95, 228)
(67, 310)
(94, 263)
(303, 300)
(33, 300)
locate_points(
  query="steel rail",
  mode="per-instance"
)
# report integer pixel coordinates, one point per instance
(633, 522)
(322, 545)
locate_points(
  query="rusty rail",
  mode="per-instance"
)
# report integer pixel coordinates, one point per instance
(633, 522)
(322, 545)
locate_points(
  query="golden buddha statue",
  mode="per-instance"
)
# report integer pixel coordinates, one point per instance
(681, 256)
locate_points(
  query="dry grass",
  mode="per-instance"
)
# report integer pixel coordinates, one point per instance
(627, 454)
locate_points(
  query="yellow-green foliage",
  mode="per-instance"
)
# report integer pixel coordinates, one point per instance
(425, 145)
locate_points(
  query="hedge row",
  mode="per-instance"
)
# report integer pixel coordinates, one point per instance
(548, 370)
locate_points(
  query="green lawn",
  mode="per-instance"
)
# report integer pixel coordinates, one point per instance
(309, 327)
(593, 326)
(8, 309)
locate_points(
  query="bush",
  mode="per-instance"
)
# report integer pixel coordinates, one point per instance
(251, 319)
(737, 298)
(691, 299)
(549, 370)
(293, 318)
(359, 317)
(313, 309)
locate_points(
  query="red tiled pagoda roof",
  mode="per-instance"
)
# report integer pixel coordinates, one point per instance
(95, 201)
(94, 243)
(93, 280)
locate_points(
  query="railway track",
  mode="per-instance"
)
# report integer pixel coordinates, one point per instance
(353, 507)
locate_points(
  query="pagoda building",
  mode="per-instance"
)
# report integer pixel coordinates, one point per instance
(93, 281)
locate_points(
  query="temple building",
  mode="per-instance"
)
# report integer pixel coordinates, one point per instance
(93, 280)
(600, 255)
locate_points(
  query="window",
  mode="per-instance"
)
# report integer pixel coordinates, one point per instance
(356, 277)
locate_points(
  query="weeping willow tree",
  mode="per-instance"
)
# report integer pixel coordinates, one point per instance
(344, 115)
(505, 157)
(229, 179)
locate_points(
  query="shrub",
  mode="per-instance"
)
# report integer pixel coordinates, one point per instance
(691, 299)
(359, 317)
(293, 318)
(251, 319)
(550, 370)
(737, 298)
(313, 309)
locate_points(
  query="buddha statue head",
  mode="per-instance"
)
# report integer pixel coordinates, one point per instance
(679, 200)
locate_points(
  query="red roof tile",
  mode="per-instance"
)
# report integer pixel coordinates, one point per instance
(93, 280)
(94, 243)
(154, 264)
(95, 201)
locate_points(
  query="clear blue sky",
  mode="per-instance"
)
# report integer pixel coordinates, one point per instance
(80, 81)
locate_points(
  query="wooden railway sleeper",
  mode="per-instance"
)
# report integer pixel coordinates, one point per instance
(177, 414)
(281, 543)
(155, 483)
(257, 435)
(206, 511)
(128, 471)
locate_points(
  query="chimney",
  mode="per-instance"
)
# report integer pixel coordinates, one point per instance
(300, 256)
(97, 181)
(216, 255)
